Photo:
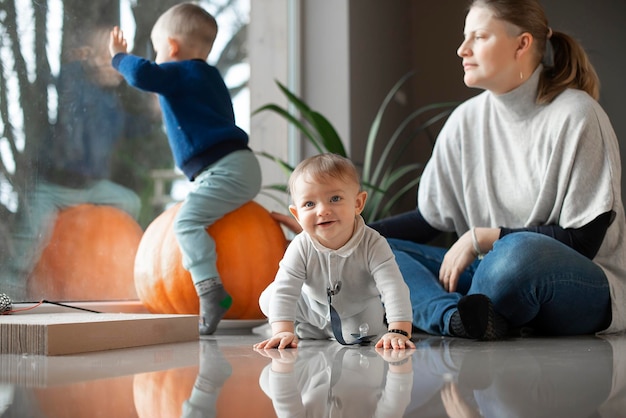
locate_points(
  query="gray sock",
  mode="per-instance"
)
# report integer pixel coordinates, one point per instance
(214, 302)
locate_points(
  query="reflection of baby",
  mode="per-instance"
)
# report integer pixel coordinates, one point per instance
(316, 382)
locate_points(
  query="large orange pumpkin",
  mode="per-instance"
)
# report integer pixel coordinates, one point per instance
(249, 245)
(90, 256)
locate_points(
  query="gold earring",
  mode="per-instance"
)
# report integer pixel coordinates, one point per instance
(521, 75)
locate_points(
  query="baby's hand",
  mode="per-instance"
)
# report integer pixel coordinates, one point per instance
(283, 339)
(281, 356)
(394, 341)
(395, 356)
(283, 361)
(117, 42)
(400, 361)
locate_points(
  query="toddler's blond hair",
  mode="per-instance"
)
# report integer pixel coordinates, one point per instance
(188, 23)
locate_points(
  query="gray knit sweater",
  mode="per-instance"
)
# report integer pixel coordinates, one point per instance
(504, 161)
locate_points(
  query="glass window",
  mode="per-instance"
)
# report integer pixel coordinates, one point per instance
(85, 165)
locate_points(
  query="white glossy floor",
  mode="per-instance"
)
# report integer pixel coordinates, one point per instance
(223, 376)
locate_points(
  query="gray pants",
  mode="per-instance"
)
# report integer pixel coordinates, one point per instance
(221, 188)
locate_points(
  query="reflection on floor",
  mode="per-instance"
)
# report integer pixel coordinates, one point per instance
(223, 376)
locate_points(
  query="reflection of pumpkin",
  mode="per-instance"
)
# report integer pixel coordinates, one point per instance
(249, 245)
(162, 394)
(233, 401)
(90, 256)
(97, 398)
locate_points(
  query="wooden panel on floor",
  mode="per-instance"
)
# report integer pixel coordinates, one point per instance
(71, 333)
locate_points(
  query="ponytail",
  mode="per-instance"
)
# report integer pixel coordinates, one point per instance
(565, 62)
(571, 69)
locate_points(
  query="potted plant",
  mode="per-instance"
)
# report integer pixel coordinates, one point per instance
(382, 172)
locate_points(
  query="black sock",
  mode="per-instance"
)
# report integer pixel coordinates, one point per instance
(475, 318)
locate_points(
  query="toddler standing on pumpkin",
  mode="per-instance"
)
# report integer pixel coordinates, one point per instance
(207, 145)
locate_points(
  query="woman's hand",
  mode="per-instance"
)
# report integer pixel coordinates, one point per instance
(288, 221)
(460, 255)
(463, 253)
(455, 405)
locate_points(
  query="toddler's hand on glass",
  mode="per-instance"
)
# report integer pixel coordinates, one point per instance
(117, 42)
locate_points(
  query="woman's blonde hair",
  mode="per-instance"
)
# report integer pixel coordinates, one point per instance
(323, 167)
(566, 64)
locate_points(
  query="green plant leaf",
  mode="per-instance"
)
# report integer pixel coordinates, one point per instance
(393, 200)
(385, 155)
(373, 132)
(308, 115)
(329, 136)
(298, 102)
(381, 172)
(285, 166)
(393, 176)
(294, 121)
(324, 134)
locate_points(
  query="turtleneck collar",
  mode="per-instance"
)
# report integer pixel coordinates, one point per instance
(519, 103)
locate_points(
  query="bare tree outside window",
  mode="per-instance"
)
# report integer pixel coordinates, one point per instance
(57, 89)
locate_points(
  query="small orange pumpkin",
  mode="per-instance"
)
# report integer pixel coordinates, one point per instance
(161, 394)
(246, 372)
(90, 256)
(249, 245)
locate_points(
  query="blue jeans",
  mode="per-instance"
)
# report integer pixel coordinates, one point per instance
(533, 281)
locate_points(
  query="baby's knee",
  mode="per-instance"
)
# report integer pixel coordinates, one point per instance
(265, 299)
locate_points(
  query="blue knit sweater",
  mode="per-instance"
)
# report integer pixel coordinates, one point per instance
(196, 105)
